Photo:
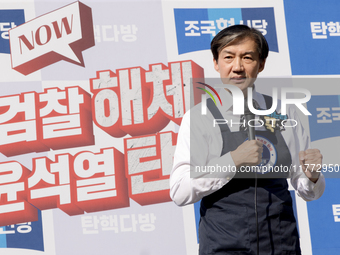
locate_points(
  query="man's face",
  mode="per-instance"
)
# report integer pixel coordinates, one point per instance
(239, 64)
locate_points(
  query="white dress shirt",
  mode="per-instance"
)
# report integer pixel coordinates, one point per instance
(207, 143)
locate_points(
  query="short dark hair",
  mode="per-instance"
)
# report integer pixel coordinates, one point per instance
(236, 33)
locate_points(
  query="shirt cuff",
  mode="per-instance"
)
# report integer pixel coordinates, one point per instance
(314, 190)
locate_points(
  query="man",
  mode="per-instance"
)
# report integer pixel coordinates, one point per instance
(243, 215)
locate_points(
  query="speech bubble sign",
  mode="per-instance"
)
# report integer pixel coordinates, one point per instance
(59, 35)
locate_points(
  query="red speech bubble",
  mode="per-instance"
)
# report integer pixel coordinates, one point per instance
(59, 35)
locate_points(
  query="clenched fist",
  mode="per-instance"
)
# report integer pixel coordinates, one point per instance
(248, 153)
(311, 163)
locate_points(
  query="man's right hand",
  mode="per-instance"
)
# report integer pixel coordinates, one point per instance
(248, 153)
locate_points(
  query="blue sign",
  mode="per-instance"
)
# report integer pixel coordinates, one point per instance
(325, 119)
(8, 20)
(313, 30)
(324, 220)
(195, 28)
(27, 235)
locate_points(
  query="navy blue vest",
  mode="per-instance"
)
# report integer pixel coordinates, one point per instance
(228, 223)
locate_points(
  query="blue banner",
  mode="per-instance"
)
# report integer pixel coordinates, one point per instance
(28, 235)
(195, 28)
(313, 30)
(324, 220)
(325, 119)
(8, 20)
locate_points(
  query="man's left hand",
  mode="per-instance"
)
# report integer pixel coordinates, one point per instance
(311, 163)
